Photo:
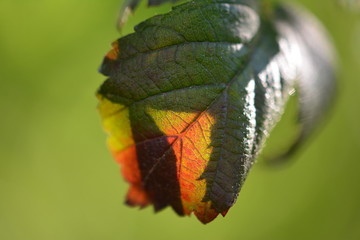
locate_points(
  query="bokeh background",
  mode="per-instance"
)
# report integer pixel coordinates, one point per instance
(59, 182)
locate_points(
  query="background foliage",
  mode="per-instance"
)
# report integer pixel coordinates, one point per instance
(58, 181)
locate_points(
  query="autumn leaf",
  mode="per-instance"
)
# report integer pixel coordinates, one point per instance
(192, 95)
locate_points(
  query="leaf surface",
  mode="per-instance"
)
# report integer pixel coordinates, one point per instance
(191, 97)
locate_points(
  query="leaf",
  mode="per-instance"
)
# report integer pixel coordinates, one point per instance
(193, 94)
(315, 66)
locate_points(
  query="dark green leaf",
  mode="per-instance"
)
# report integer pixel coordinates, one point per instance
(193, 94)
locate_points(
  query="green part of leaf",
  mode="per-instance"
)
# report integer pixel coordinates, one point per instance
(224, 58)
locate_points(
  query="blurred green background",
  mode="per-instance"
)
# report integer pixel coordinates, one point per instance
(58, 181)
